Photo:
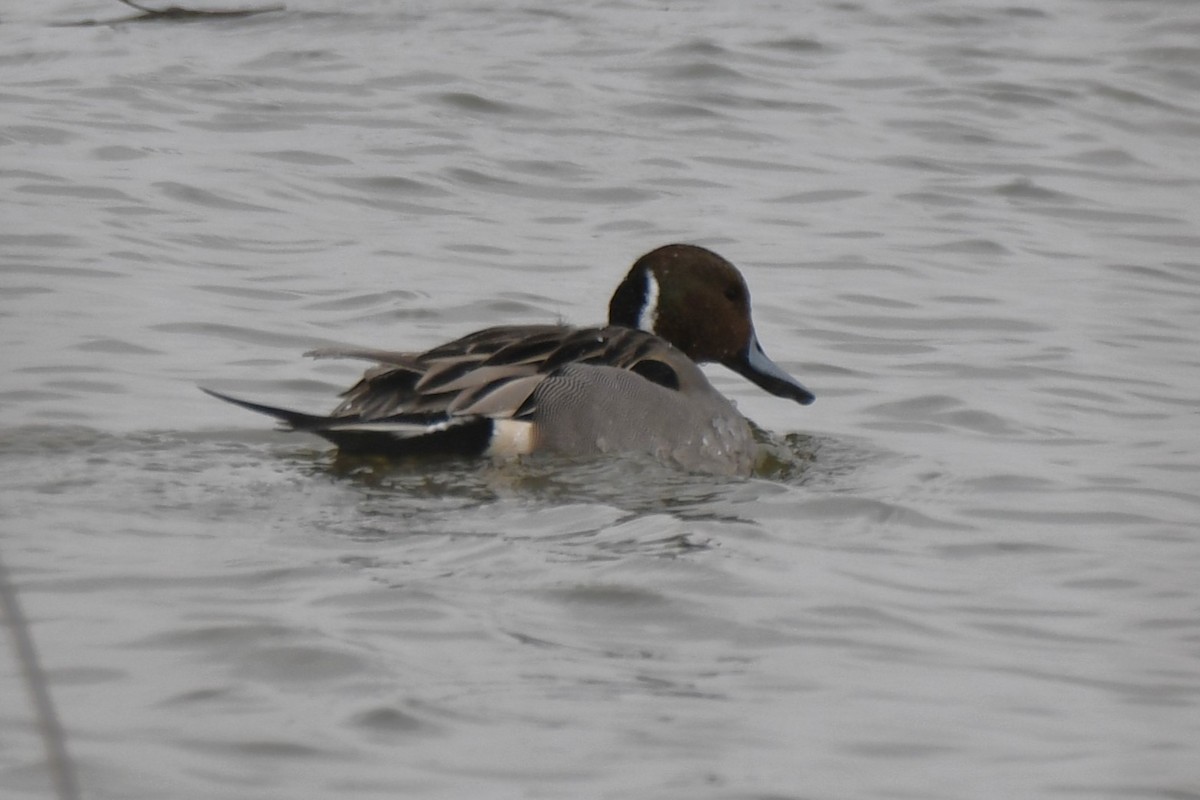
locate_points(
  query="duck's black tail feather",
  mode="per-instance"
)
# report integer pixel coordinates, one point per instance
(291, 420)
(398, 435)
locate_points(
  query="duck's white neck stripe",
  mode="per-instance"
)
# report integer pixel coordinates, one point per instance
(649, 315)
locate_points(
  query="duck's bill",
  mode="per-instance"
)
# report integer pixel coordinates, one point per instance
(754, 365)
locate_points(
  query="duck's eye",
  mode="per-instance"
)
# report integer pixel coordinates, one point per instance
(733, 294)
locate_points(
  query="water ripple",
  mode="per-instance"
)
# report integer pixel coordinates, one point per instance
(970, 564)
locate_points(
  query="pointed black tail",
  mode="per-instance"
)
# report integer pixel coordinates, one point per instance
(400, 435)
(293, 420)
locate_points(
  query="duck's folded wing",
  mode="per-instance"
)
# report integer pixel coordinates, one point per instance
(492, 373)
(450, 378)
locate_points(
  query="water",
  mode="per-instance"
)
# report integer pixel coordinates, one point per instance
(970, 571)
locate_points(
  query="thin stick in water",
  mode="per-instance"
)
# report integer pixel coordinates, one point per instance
(62, 771)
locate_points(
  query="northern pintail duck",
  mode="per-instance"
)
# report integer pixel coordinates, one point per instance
(632, 385)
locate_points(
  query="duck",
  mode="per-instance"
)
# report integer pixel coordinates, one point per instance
(633, 385)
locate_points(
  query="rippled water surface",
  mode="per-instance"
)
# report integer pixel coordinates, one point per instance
(970, 570)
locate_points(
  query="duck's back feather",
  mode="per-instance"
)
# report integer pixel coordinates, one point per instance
(493, 372)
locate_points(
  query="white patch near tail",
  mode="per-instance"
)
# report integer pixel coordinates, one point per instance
(510, 437)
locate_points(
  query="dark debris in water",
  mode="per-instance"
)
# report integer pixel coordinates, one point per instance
(173, 14)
